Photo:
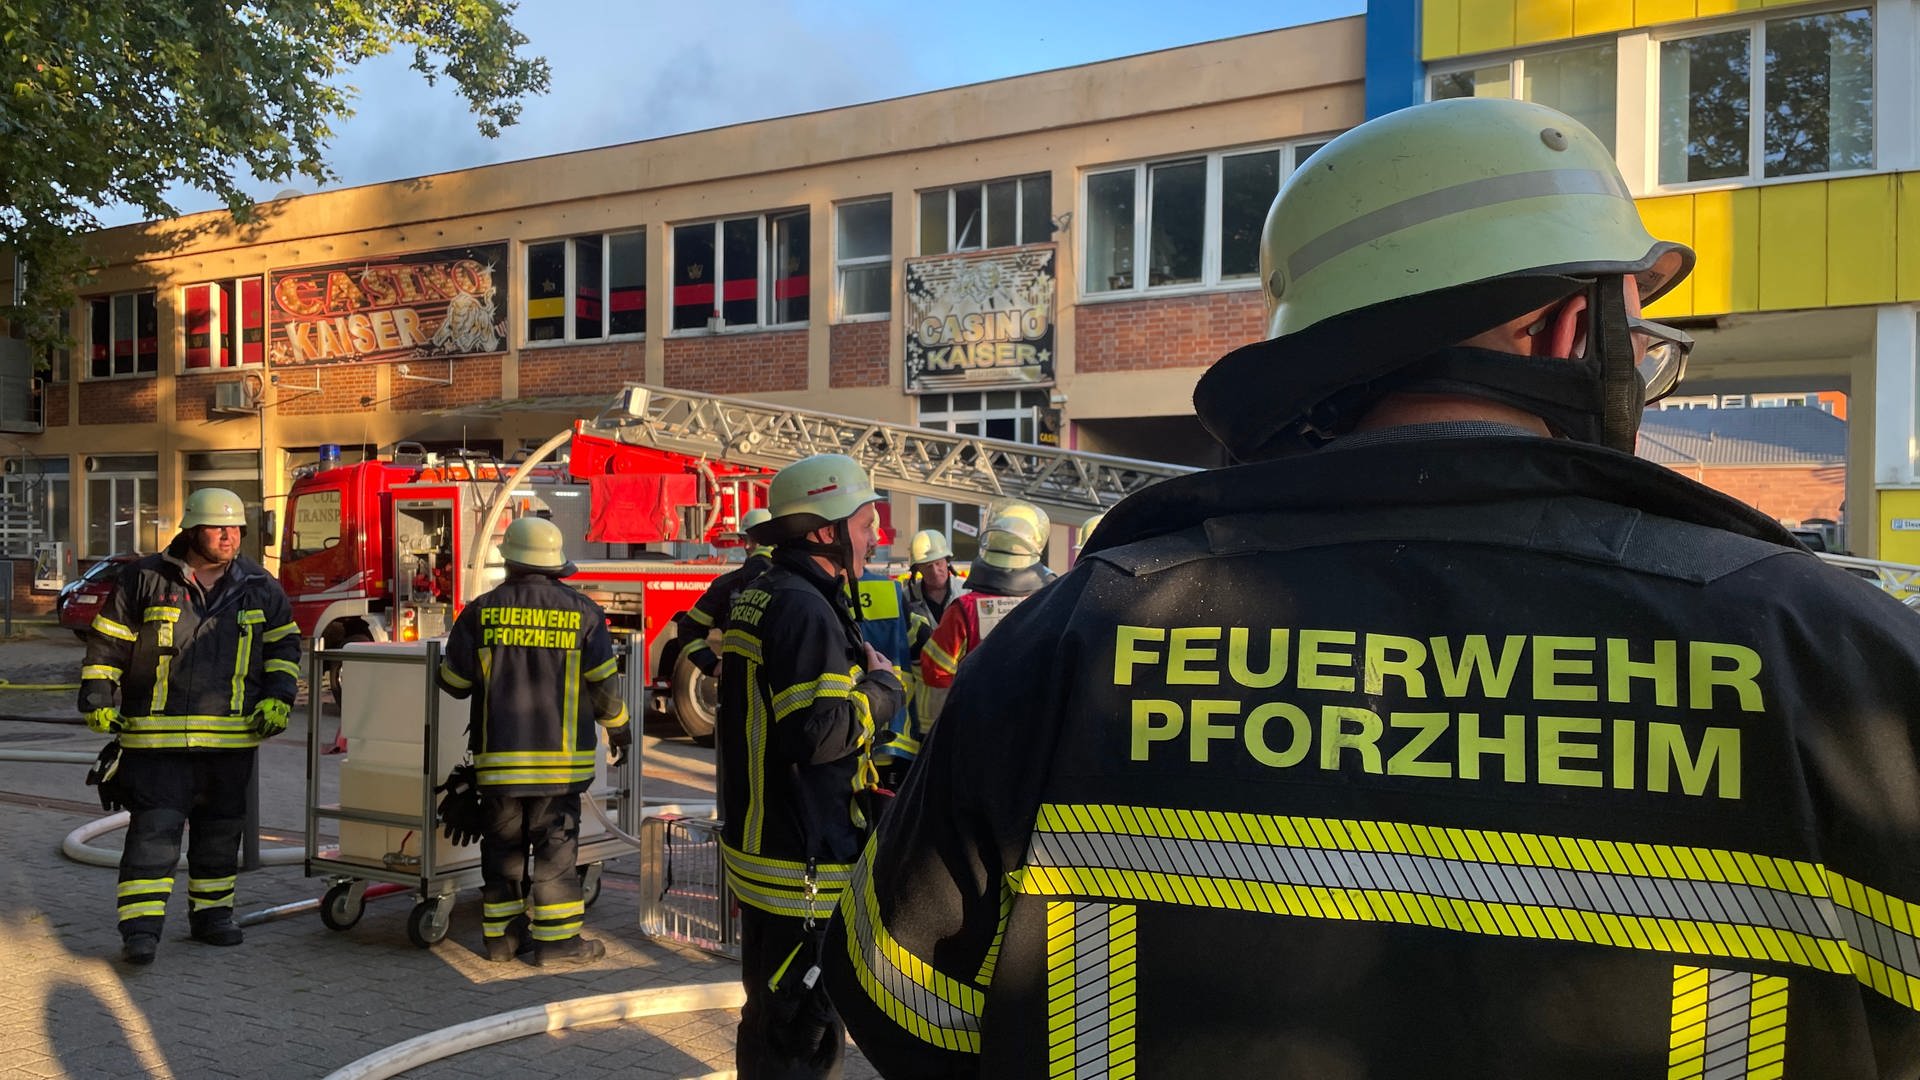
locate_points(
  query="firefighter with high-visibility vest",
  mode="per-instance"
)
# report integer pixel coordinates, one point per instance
(194, 659)
(1443, 737)
(802, 696)
(931, 584)
(898, 628)
(1007, 570)
(708, 615)
(535, 656)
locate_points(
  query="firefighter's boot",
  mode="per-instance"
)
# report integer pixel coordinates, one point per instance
(514, 942)
(215, 926)
(140, 948)
(573, 950)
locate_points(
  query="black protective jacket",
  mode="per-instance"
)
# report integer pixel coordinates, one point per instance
(709, 612)
(1478, 757)
(537, 659)
(798, 714)
(185, 665)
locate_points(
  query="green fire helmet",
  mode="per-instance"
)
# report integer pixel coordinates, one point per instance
(928, 545)
(1087, 527)
(213, 506)
(535, 544)
(1413, 232)
(754, 517)
(812, 492)
(1012, 542)
(1020, 508)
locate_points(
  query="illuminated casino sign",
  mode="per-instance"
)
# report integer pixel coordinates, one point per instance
(982, 320)
(425, 305)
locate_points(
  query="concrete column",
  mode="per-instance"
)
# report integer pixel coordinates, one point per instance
(1894, 401)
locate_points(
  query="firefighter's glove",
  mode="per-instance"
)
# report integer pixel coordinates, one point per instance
(104, 777)
(106, 719)
(619, 739)
(463, 816)
(270, 717)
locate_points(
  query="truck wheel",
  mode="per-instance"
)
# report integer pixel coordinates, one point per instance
(696, 700)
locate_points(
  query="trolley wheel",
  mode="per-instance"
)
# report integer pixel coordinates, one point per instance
(427, 924)
(342, 906)
(590, 883)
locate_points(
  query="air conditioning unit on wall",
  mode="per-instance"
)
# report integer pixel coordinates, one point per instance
(234, 396)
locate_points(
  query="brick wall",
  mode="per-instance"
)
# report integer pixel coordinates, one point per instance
(53, 404)
(193, 392)
(581, 369)
(1177, 331)
(25, 600)
(475, 379)
(1789, 493)
(341, 388)
(859, 354)
(119, 401)
(739, 363)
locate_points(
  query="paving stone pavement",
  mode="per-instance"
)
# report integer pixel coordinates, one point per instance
(297, 1000)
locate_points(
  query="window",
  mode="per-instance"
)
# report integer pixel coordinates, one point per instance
(1189, 222)
(1583, 83)
(34, 495)
(604, 277)
(315, 523)
(995, 414)
(1813, 102)
(123, 506)
(997, 213)
(863, 255)
(760, 262)
(123, 336)
(239, 472)
(226, 323)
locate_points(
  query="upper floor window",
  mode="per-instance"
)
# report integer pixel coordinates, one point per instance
(1582, 82)
(225, 323)
(997, 213)
(587, 287)
(741, 272)
(863, 256)
(1186, 222)
(1810, 110)
(123, 335)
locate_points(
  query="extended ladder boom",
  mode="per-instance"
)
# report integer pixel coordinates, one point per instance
(899, 457)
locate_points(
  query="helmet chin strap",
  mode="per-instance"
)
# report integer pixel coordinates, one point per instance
(1610, 344)
(840, 551)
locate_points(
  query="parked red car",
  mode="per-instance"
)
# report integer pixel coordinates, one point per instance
(80, 600)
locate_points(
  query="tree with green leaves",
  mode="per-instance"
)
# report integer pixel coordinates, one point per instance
(120, 102)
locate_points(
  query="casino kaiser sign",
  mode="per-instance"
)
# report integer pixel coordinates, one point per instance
(425, 305)
(981, 320)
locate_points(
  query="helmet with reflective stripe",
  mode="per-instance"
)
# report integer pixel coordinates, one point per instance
(813, 492)
(1012, 541)
(213, 506)
(928, 545)
(1416, 231)
(535, 544)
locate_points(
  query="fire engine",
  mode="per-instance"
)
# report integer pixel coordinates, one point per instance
(389, 549)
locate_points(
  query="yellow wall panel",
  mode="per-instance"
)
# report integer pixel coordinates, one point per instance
(1906, 271)
(1860, 241)
(1671, 218)
(1486, 25)
(1542, 20)
(1708, 8)
(1439, 29)
(1793, 246)
(1746, 250)
(1652, 12)
(1601, 16)
(1713, 243)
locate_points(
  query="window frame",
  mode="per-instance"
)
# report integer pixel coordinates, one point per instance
(1211, 280)
(142, 479)
(940, 514)
(842, 264)
(229, 325)
(764, 300)
(1516, 65)
(569, 297)
(20, 475)
(1756, 26)
(952, 193)
(111, 300)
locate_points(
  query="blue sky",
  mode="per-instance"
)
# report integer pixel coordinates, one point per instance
(625, 70)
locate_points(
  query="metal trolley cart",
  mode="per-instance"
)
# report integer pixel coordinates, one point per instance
(683, 885)
(397, 754)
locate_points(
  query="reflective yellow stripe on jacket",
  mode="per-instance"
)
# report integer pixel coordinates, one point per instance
(779, 886)
(188, 733)
(924, 1001)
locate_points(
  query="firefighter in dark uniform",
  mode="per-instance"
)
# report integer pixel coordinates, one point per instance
(194, 659)
(1443, 737)
(536, 658)
(709, 613)
(802, 696)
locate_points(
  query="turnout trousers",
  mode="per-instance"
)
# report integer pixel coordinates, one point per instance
(792, 1033)
(547, 828)
(166, 791)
